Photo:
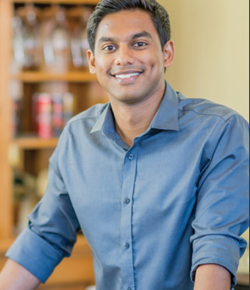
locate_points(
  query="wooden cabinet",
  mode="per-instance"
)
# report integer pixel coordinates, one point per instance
(77, 271)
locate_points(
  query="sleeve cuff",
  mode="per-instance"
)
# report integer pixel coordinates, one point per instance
(35, 254)
(219, 250)
(213, 260)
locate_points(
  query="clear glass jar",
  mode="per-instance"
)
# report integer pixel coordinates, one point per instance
(57, 53)
(31, 41)
(79, 42)
(18, 41)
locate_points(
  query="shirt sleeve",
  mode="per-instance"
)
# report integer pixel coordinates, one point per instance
(52, 229)
(222, 212)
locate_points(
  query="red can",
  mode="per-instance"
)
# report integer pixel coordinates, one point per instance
(43, 115)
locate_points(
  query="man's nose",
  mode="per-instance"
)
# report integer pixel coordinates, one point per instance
(124, 56)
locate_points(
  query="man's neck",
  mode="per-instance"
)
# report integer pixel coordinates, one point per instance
(133, 120)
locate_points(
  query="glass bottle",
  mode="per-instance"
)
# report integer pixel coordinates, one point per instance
(79, 42)
(31, 40)
(57, 45)
(18, 41)
(57, 114)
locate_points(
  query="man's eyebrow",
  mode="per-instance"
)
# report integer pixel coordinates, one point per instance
(134, 36)
(106, 39)
(141, 34)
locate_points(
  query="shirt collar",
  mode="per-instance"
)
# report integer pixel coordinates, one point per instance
(105, 123)
(166, 117)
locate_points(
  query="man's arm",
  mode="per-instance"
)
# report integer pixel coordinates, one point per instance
(15, 277)
(212, 276)
(222, 209)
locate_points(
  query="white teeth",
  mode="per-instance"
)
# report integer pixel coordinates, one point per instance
(127, 76)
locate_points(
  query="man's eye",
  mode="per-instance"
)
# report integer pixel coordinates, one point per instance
(140, 44)
(109, 48)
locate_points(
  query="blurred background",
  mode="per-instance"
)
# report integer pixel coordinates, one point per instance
(44, 81)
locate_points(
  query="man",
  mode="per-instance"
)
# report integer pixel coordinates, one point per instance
(157, 182)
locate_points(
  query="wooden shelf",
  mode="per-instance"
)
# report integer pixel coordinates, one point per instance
(35, 143)
(87, 2)
(35, 77)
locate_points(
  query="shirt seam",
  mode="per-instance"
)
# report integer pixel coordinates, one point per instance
(57, 173)
(65, 141)
(225, 119)
(218, 136)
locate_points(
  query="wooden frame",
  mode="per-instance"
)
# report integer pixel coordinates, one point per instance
(5, 120)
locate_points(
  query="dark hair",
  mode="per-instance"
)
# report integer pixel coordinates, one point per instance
(158, 14)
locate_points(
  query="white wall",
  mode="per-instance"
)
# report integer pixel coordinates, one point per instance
(212, 50)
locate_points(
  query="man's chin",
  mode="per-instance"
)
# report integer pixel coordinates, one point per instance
(128, 98)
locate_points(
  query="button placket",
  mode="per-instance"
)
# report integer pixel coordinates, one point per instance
(129, 176)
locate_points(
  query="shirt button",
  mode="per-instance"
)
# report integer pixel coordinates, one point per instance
(126, 246)
(131, 157)
(126, 201)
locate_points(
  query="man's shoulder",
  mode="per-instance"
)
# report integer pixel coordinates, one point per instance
(78, 129)
(93, 113)
(203, 107)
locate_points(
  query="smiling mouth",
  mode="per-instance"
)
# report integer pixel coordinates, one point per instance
(125, 76)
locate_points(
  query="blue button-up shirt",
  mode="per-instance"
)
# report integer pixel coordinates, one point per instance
(152, 213)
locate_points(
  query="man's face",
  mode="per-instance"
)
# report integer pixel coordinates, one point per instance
(129, 61)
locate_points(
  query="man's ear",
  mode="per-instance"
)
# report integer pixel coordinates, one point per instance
(168, 53)
(91, 59)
